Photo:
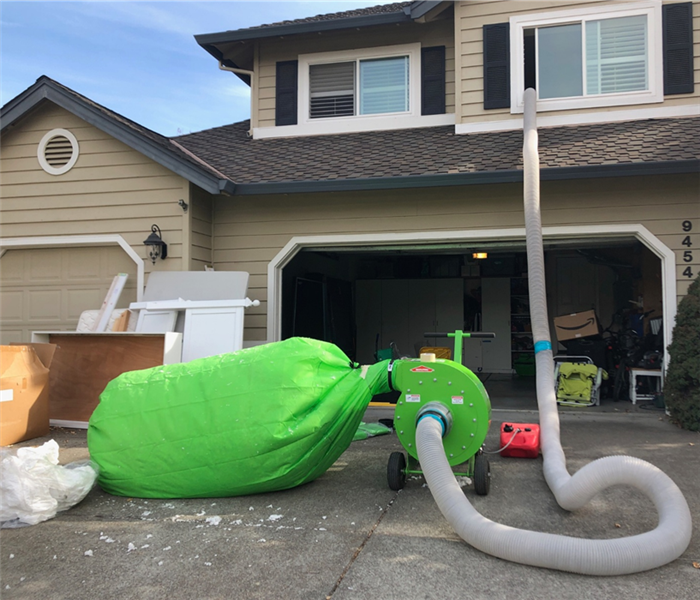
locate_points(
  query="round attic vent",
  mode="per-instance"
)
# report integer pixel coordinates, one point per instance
(58, 151)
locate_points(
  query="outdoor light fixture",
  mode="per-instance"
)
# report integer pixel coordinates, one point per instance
(480, 255)
(157, 248)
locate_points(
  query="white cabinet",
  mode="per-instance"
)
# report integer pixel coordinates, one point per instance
(495, 307)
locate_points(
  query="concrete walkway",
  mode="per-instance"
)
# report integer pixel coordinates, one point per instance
(348, 536)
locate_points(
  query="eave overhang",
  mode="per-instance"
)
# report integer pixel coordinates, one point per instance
(478, 178)
(46, 90)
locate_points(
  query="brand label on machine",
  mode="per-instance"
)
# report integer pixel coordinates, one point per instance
(412, 397)
(457, 399)
(422, 369)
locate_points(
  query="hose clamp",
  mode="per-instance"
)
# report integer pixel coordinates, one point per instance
(439, 412)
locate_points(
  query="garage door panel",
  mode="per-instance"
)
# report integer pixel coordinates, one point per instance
(77, 300)
(44, 266)
(80, 267)
(12, 306)
(12, 268)
(44, 305)
(12, 336)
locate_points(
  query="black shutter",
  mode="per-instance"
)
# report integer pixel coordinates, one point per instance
(678, 48)
(286, 93)
(433, 80)
(496, 66)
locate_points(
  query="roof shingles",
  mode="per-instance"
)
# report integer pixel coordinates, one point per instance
(436, 150)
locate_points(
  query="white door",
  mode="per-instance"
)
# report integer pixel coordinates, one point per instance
(46, 289)
(495, 308)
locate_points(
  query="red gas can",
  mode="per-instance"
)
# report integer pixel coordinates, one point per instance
(522, 439)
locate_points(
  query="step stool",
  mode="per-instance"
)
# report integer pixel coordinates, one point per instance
(636, 373)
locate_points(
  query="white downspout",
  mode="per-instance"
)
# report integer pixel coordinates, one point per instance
(250, 74)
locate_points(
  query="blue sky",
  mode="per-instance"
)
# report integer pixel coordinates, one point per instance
(140, 59)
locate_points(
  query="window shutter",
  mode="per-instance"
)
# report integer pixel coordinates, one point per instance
(286, 93)
(433, 81)
(678, 48)
(496, 65)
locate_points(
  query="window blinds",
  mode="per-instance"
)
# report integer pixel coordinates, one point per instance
(384, 85)
(616, 55)
(332, 90)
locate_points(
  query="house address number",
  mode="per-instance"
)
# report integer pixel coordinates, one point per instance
(687, 227)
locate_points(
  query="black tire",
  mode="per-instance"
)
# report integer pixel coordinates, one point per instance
(396, 471)
(482, 475)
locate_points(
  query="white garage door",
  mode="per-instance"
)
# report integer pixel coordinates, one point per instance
(46, 289)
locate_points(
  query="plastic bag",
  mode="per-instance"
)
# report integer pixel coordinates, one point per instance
(34, 487)
(262, 419)
(368, 430)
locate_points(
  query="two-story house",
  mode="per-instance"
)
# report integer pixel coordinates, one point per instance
(376, 192)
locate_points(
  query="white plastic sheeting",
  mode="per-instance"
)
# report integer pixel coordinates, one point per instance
(34, 487)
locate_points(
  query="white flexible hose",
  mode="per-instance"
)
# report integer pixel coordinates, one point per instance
(593, 557)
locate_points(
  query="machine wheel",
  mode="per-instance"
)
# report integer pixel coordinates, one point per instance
(482, 475)
(396, 471)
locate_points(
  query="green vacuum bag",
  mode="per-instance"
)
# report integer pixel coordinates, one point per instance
(266, 418)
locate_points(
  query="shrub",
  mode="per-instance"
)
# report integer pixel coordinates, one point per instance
(682, 387)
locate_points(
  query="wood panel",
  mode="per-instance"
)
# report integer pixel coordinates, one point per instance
(84, 365)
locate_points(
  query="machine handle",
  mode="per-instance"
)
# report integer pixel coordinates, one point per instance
(470, 334)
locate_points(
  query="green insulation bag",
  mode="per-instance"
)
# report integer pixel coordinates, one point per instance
(262, 419)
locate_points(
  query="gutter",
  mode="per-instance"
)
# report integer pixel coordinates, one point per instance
(479, 178)
(299, 28)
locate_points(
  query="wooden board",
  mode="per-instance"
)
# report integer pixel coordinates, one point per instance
(84, 365)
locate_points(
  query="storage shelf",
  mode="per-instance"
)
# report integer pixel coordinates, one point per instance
(519, 302)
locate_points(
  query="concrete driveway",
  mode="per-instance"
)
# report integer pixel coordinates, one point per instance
(348, 536)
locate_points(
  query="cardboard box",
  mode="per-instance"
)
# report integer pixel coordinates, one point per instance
(24, 391)
(576, 325)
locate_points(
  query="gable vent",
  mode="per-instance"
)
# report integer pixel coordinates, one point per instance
(58, 151)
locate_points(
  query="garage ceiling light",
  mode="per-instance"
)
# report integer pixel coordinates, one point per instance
(480, 255)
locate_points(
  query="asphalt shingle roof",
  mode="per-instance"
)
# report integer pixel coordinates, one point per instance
(437, 150)
(169, 145)
(381, 9)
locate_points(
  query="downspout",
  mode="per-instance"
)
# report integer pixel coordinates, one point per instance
(250, 74)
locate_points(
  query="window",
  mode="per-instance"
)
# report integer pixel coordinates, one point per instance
(349, 85)
(364, 87)
(605, 56)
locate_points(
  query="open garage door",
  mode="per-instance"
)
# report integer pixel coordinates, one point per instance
(368, 298)
(46, 289)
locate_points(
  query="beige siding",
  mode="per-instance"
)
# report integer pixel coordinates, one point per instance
(112, 189)
(201, 226)
(471, 16)
(437, 33)
(250, 231)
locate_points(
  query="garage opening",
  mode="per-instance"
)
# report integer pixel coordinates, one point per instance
(372, 298)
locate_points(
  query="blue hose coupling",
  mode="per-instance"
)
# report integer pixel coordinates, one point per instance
(439, 412)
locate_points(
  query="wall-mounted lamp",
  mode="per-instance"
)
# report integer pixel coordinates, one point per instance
(157, 248)
(480, 255)
(183, 205)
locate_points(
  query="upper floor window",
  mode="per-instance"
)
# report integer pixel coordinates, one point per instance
(361, 87)
(355, 84)
(603, 56)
